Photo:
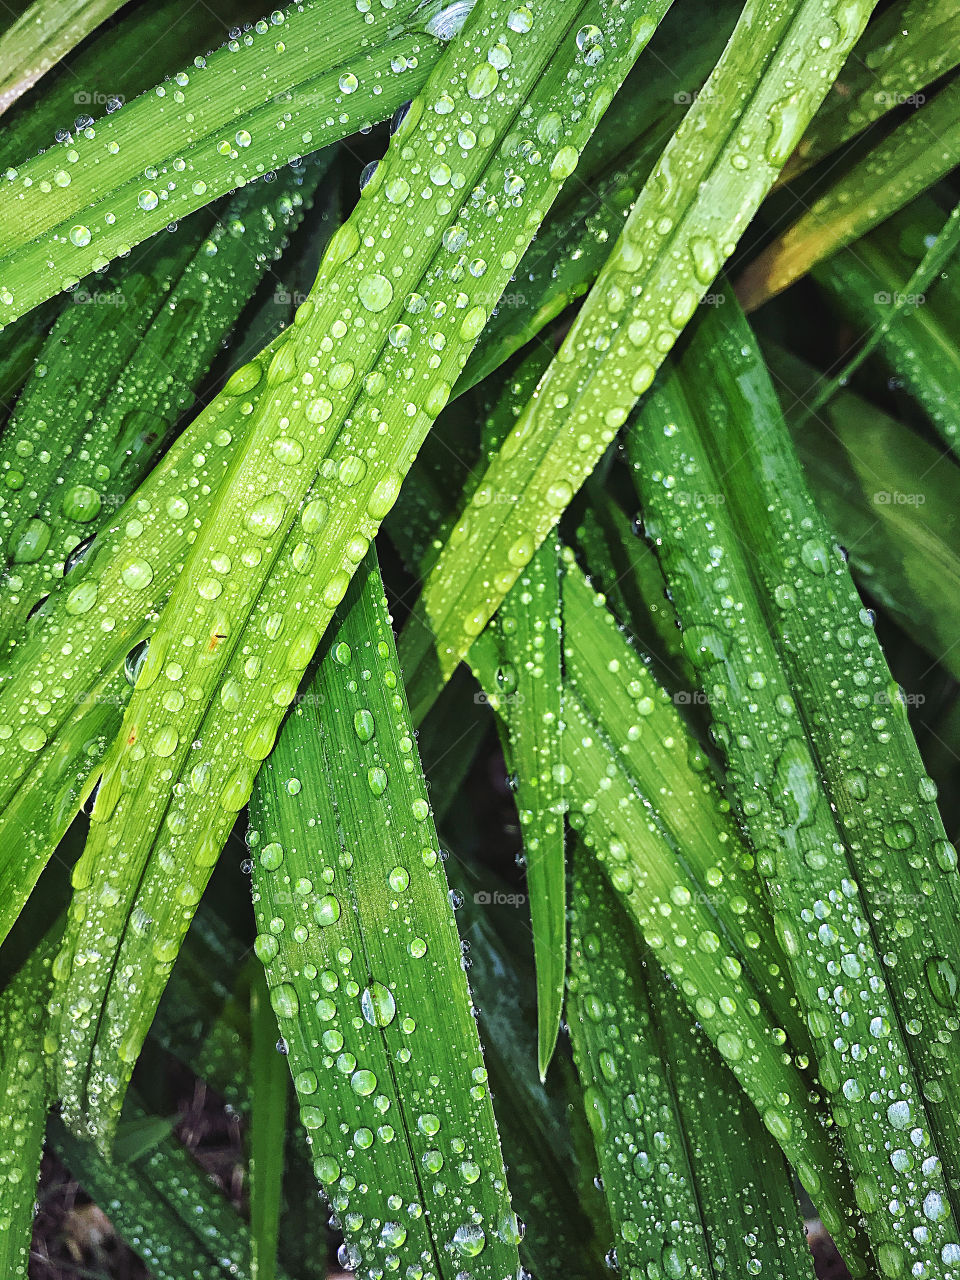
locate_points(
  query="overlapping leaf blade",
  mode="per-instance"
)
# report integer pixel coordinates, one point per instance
(24, 1099)
(694, 1182)
(298, 82)
(127, 358)
(686, 221)
(904, 49)
(795, 679)
(237, 654)
(918, 153)
(363, 960)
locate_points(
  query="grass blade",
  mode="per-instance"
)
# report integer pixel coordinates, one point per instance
(288, 573)
(385, 1057)
(154, 334)
(815, 857)
(41, 36)
(651, 818)
(695, 1184)
(24, 1091)
(527, 633)
(268, 1129)
(110, 68)
(890, 497)
(914, 324)
(550, 1169)
(687, 220)
(903, 49)
(183, 1220)
(911, 159)
(241, 113)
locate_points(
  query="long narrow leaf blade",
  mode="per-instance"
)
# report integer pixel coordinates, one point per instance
(364, 965)
(893, 173)
(268, 1128)
(687, 220)
(282, 570)
(24, 1098)
(816, 845)
(693, 1180)
(301, 80)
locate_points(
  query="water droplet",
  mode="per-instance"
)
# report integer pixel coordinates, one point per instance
(378, 1005)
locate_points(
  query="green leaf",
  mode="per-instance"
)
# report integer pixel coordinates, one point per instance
(163, 1205)
(262, 555)
(639, 792)
(24, 1098)
(891, 499)
(823, 768)
(364, 967)
(295, 84)
(694, 1182)
(268, 1128)
(904, 49)
(541, 1124)
(912, 158)
(155, 333)
(41, 36)
(527, 634)
(687, 220)
(109, 68)
(624, 568)
(914, 323)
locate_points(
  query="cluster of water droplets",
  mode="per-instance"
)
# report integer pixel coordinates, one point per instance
(91, 197)
(647, 291)
(363, 961)
(155, 336)
(862, 1058)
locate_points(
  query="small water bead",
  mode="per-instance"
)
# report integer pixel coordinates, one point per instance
(137, 573)
(590, 44)
(148, 200)
(133, 663)
(265, 516)
(287, 451)
(327, 910)
(271, 856)
(284, 1000)
(363, 1082)
(80, 236)
(482, 80)
(378, 1005)
(520, 20)
(377, 780)
(349, 82)
(469, 1240)
(942, 980)
(375, 292)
